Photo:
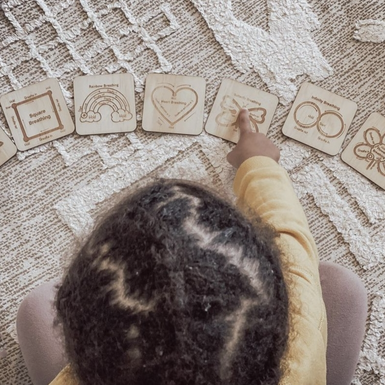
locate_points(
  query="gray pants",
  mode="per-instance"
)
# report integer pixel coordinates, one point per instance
(346, 306)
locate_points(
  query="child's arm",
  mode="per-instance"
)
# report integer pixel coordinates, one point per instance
(264, 186)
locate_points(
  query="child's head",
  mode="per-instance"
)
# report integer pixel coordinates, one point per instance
(175, 286)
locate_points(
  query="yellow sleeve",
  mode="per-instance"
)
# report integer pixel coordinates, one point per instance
(265, 187)
(65, 377)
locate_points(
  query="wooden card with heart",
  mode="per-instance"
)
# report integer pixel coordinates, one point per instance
(37, 114)
(319, 118)
(104, 104)
(366, 151)
(7, 148)
(174, 104)
(231, 98)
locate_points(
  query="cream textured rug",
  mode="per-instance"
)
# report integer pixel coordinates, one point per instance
(50, 195)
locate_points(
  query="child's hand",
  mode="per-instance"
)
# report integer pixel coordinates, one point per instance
(250, 143)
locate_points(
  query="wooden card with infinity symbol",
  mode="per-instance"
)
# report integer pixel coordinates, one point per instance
(319, 118)
(174, 104)
(231, 98)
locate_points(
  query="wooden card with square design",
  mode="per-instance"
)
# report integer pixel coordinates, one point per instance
(319, 118)
(174, 104)
(7, 148)
(366, 151)
(231, 98)
(104, 104)
(37, 114)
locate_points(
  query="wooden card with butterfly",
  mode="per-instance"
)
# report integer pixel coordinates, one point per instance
(231, 98)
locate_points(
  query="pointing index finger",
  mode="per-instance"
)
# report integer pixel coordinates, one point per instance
(243, 122)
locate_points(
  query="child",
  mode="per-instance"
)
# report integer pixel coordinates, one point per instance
(176, 286)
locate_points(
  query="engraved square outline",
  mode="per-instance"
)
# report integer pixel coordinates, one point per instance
(27, 138)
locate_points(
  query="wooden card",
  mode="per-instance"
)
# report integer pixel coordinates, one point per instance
(174, 104)
(7, 148)
(37, 114)
(104, 104)
(366, 152)
(319, 118)
(231, 98)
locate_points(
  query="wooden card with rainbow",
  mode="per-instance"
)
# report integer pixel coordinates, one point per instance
(104, 104)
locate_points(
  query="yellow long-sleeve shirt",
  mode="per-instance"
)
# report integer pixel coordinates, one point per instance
(264, 186)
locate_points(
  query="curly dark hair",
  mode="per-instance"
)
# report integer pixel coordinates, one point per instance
(175, 286)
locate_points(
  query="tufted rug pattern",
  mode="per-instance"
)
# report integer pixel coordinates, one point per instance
(51, 195)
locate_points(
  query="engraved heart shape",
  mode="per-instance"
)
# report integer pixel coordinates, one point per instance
(174, 105)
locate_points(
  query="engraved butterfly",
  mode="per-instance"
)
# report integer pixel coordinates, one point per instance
(230, 110)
